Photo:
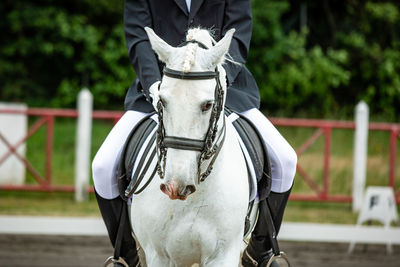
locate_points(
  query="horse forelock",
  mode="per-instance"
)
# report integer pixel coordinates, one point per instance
(202, 35)
(191, 56)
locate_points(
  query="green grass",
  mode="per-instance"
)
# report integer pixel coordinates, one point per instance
(341, 171)
(298, 211)
(46, 204)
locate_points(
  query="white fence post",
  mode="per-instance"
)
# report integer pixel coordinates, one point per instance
(83, 143)
(13, 127)
(360, 154)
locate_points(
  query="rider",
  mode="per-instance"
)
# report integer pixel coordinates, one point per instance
(170, 19)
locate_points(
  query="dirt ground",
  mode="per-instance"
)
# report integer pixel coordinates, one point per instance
(66, 251)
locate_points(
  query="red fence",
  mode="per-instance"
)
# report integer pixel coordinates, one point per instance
(46, 118)
(324, 128)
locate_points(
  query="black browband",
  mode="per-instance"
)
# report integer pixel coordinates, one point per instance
(193, 75)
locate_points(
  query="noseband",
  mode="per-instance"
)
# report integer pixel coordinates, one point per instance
(210, 147)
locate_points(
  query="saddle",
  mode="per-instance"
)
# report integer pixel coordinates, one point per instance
(133, 165)
(143, 132)
(252, 143)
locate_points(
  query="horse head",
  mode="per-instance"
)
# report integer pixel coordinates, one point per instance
(189, 108)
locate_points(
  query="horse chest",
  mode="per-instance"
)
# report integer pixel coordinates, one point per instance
(185, 231)
(174, 217)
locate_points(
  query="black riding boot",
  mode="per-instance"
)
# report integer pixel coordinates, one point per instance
(111, 211)
(259, 249)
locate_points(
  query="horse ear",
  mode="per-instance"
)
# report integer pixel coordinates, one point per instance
(163, 50)
(218, 51)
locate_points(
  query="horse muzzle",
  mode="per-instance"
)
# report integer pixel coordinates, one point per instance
(177, 190)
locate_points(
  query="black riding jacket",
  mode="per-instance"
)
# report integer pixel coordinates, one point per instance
(170, 20)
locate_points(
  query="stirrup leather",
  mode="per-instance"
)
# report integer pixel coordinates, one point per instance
(253, 261)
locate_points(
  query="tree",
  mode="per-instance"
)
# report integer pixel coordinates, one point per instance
(50, 49)
(310, 58)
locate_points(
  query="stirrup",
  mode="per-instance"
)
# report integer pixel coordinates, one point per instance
(111, 259)
(281, 255)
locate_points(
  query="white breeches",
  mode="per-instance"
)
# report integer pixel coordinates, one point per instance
(282, 156)
(105, 162)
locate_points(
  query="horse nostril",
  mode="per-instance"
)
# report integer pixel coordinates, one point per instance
(164, 188)
(180, 192)
(189, 189)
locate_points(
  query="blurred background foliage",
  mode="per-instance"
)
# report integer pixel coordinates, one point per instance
(310, 58)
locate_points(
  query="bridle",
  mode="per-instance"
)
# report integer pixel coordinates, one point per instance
(210, 147)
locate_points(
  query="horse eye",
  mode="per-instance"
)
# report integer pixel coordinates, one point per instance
(206, 106)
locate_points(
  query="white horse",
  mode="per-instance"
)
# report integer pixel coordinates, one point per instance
(205, 224)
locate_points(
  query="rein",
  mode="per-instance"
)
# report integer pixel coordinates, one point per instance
(210, 147)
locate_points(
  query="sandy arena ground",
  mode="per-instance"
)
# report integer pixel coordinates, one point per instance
(63, 251)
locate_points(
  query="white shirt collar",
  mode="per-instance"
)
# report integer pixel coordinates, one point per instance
(188, 2)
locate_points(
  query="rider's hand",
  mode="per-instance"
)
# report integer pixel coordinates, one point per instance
(154, 93)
